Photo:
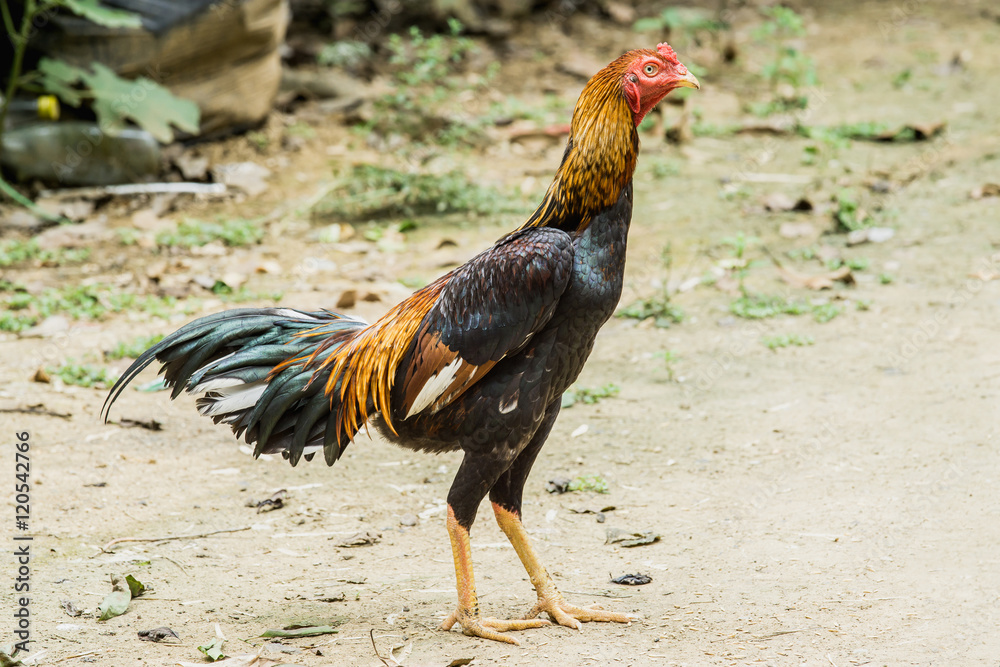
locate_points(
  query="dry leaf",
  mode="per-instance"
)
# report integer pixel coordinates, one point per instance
(986, 190)
(347, 299)
(362, 539)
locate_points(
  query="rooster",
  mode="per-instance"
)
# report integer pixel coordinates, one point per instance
(476, 361)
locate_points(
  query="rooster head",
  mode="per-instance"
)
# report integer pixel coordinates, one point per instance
(649, 75)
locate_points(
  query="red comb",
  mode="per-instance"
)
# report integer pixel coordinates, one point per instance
(667, 53)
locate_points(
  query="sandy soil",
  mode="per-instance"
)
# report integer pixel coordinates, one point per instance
(833, 504)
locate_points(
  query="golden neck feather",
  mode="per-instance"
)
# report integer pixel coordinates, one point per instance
(600, 156)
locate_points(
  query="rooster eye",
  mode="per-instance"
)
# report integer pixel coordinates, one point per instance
(650, 69)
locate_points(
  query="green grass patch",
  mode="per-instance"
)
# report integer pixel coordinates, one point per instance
(762, 306)
(133, 348)
(658, 307)
(592, 483)
(16, 252)
(588, 396)
(786, 340)
(192, 233)
(84, 375)
(378, 192)
(22, 310)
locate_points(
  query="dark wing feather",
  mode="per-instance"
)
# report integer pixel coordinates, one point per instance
(489, 308)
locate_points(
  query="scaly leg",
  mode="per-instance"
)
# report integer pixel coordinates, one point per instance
(505, 496)
(550, 600)
(474, 478)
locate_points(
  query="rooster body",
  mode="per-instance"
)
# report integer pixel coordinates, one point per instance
(477, 361)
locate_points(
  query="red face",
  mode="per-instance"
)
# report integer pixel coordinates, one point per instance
(651, 76)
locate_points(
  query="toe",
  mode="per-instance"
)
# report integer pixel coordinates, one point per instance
(503, 625)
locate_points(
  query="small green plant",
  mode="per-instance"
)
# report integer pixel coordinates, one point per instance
(669, 358)
(761, 306)
(903, 78)
(191, 233)
(588, 396)
(259, 140)
(664, 313)
(133, 348)
(739, 244)
(788, 66)
(377, 192)
(421, 108)
(885, 278)
(344, 54)
(848, 212)
(22, 310)
(863, 304)
(84, 375)
(786, 340)
(592, 483)
(15, 252)
(825, 312)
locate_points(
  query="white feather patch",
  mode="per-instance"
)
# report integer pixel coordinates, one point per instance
(435, 387)
(233, 399)
(294, 314)
(213, 385)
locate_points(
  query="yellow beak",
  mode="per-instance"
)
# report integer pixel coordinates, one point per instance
(689, 80)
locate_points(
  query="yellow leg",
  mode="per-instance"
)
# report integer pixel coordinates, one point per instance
(467, 613)
(550, 600)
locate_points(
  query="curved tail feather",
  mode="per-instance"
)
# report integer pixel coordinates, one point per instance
(252, 367)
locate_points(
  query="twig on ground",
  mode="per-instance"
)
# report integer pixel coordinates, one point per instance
(120, 540)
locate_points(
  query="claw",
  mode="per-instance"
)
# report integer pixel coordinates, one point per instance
(490, 628)
(572, 616)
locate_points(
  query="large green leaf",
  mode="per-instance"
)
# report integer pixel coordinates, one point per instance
(116, 602)
(92, 10)
(115, 100)
(59, 78)
(150, 105)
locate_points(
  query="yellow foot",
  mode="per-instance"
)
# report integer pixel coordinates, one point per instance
(571, 616)
(490, 628)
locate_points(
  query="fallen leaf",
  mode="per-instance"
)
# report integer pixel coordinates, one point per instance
(213, 651)
(193, 167)
(70, 608)
(460, 662)
(778, 201)
(157, 634)
(275, 502)
(361, 539)
(558, 485)
(986, 190)
(312, 631)
(135, 587)
(244, 660)
(347, 299)
(149, 425)
(247, 176)
(630, 539)
(399, 654)
(116, 602)
(632, 580)
(817, 282)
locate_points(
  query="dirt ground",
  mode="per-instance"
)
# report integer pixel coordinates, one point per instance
(829, 504)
